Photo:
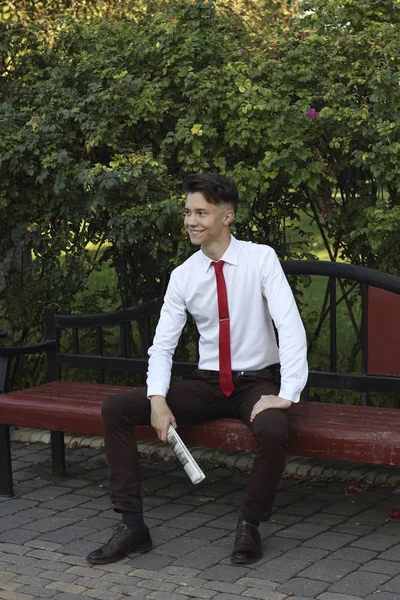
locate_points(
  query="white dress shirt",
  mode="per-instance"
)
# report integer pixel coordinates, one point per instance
(258, 292)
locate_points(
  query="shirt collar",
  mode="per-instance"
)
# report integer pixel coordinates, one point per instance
(230, 255)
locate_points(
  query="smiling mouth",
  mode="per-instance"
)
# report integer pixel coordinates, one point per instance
(195, 231)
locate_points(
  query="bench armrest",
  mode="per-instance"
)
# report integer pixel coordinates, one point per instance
(12, 351)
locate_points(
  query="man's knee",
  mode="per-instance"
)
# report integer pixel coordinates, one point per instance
(271, 427)
(131, 405)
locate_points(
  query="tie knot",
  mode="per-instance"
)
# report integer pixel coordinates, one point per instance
(218, 266)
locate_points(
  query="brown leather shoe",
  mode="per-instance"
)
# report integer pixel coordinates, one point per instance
(247, 548)
(123, 541)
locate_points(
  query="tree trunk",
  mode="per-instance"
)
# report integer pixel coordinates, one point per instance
(14, 266)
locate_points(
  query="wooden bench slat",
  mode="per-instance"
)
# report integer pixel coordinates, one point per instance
(368, 434)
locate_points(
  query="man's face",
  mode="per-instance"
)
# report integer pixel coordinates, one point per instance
(205, 222)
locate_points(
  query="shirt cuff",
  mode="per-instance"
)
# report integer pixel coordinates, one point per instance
(288, 392)
(157, 389)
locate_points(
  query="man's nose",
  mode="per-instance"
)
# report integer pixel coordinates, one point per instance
(190, 220)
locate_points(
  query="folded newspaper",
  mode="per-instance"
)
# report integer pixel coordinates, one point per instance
(189, 464)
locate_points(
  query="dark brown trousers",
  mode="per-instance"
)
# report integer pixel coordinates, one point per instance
(192, 401)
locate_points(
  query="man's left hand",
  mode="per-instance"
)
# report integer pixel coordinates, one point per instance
(266, 402)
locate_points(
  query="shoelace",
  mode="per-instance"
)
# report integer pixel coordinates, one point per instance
(243, 531)
(120, 531)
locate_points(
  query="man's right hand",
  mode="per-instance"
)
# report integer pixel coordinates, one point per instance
(161, 417)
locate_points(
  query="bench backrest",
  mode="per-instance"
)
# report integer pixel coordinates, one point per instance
(138, 322)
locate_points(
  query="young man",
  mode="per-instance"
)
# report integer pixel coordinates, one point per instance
(234, 290)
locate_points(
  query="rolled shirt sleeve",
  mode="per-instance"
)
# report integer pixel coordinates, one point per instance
(291, 333)
(172, 320)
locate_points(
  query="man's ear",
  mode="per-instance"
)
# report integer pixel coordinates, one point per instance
(229, 216)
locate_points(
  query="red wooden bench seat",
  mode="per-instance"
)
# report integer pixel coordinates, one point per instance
(333, 431)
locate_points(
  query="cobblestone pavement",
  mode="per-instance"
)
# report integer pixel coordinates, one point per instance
(327, 539)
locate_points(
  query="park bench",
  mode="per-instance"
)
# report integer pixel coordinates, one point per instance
(317, 429)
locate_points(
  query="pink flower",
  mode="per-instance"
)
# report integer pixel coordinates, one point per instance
(240, 51)
(312, 113)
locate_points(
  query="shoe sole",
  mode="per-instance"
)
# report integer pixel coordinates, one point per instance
(105, 561)
(245, 561)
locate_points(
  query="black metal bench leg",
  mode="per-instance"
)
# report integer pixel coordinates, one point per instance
(58, 453)
(6, 479)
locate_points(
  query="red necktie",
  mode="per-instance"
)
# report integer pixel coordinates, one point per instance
(225, 367)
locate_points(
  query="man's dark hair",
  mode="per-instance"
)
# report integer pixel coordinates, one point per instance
(216, 189)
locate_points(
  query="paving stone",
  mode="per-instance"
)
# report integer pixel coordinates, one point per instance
(6, 576)
(391, 528)
(15, 505)
(306, 507)
(220, 586)
(375, 541)
(162, 534)
(57, 576)
(189, 521)
(276, 544)
(302, 531)
(215, 509)
(252, 582)
(41, 544)
(169, 511)
(68, 588)
(36, 592)
(149, 560)
(186, 580)
(197, 593)
(203, 558)
(353, 529)
(354, 554)
(13, 522)
(225, 596)
(209, 534)
(47, 493)
(9, 585)
(150, 584)
(346, 507)
(382, 566)
(228, 522)
(384, 596)
(392, 554)
(303, 553)
(330, 541)
(50, 524)
(279, 569)
(182, 571)
(148, 574)
(325, 518)
(179, 546)
(103, 594)
(393, 585)
(329, 569)
(263, 594)
(78, 547)
(9, 548)
(225, 573)
(302, 587)
(330, 596)
(67, 501)
(18, 535)
(13, 595)
(63, 596)
(359, 583)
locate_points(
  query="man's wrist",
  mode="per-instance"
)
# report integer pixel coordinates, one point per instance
(156, 398)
